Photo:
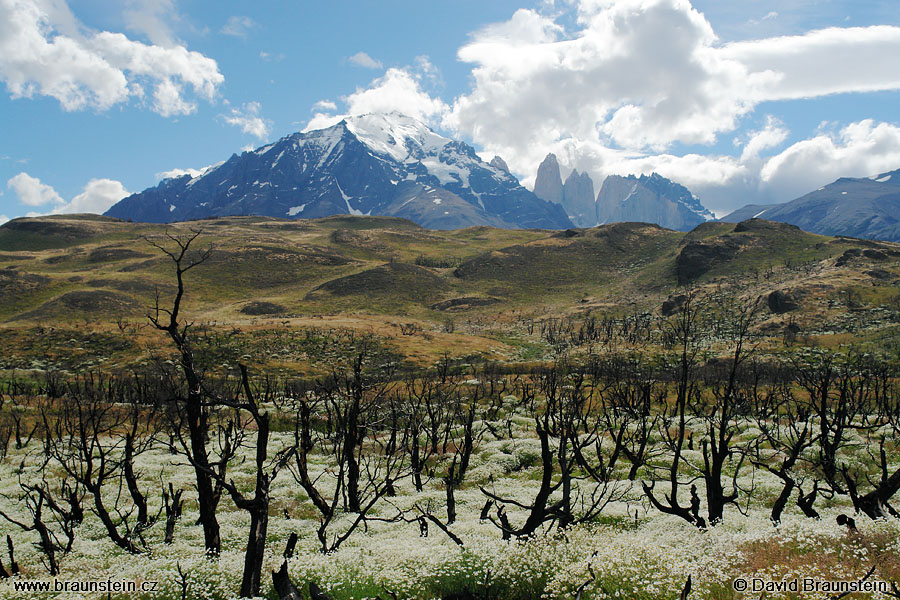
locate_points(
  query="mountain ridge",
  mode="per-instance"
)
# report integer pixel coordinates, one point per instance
(374, 164)
(863, 207)
(647, 198)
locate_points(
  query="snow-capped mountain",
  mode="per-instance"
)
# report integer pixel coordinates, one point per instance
(867, 207)
(374, 164)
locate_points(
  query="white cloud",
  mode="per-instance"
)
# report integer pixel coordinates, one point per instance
(238, 26)
(826, 61)
(428, 71)
(767, 17)
(3, 219)
(860, 149)
(45, 51)
(397, 90)
(629, 79)
(171, 173)
(97, 197)
(32, 192)
(152, 18)
(269, 57)
(638, 75)
(525, 27)
(248, 118)
(324, 105)
(361, 59)
(770, 136)
(322, 120)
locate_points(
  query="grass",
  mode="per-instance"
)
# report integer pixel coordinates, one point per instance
(334, 280)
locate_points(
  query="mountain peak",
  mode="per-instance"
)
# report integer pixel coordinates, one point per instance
(386, 164)
(891, 177)
(499, 163)
(652, 199)
(865, 207)
(392, 133)
(548, 184)
(579, 199)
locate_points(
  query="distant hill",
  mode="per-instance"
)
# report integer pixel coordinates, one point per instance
(865, 208)
(375, 164)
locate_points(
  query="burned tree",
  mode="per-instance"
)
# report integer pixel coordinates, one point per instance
(342, 417)
(83, 437)
(563, 404)
(173, 504)
(874, 388)
(257, 504)
(195, 398)
(53, 520)
(462, 443)
(731, 400)
(629, 389)
(680, 332)
(787, 433)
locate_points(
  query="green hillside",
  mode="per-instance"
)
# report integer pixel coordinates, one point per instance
(423, 293)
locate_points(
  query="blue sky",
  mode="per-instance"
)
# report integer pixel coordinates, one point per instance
(742, 101)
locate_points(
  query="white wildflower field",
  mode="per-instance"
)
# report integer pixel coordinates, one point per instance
(600, 535)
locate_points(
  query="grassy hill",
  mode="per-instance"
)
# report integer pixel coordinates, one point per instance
(423, 294)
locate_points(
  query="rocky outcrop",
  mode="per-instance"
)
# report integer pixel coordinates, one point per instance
(652, 199)
(548, 185)
(781, 301)
(499, 163)
(698, 257)
(579, 200)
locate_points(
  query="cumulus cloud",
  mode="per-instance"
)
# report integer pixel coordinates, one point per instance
(397, 90)
(636, 77)
(238, 26)
(860, 149)
(770, 136)
(3, 219)
(248, 118)
(626, 82)
(45, 51)
(361, 59)
(32, 192)
(98, 195)
(638, 74)
(324, 105)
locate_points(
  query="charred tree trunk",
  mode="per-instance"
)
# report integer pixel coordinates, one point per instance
(143, 518)
(284, 587)
(173, 504)
(196, 415)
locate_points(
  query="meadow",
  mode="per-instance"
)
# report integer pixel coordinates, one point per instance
(379, 411)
